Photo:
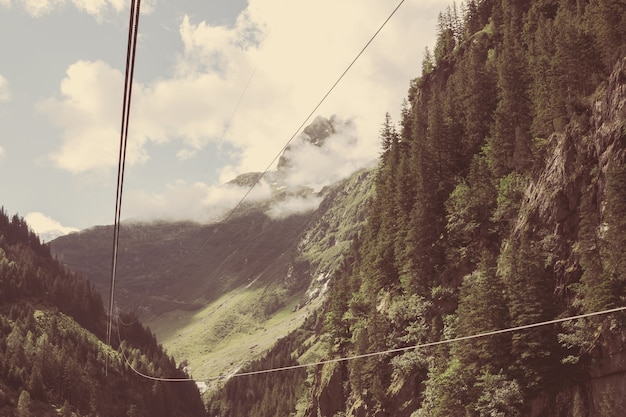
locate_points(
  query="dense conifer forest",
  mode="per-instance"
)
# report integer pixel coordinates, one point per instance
(52, 357)
(500, 201)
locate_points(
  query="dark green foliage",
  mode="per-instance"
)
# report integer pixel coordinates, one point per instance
(28, 271)
(163, 270)
(509, 142)
(451, 200)
(594, 289)
(606, 21)
(500, 396)
(451, 222)
(482, 308)
(47, 353)
(530, 300)
(470, 224)
(265, 394)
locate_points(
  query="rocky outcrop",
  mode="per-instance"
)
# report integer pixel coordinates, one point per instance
(328, 397)
(552, 203)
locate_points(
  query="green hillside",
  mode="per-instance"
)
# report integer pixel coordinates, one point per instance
(499, 201)
(53, 361)
(170, 266)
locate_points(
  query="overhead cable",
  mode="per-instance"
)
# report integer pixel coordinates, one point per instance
(304, 122)
(231, 213)
(383, 352)
(128, 88)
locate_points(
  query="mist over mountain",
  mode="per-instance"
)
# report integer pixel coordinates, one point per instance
(327, 151)
(219, 295)
(203, 286)
(47, 228)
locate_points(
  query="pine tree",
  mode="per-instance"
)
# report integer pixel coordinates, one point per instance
(478, 97)
(510, 142)
(606, 20)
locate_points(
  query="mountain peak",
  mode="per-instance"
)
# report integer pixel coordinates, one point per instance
(315, 134)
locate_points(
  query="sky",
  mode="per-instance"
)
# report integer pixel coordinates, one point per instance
(220, 87)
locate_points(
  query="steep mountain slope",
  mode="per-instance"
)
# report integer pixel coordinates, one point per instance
(52, 360)
(501, 202)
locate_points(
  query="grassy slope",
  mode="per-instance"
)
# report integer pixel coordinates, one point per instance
(225, 335)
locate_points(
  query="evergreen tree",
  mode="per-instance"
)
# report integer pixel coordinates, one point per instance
(529, 295)
(482, 308)
(510, 142)
(23, 404)
(606, 20)
(594, 289)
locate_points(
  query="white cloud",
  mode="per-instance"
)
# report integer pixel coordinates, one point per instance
(89, 115)
(95, 8)
(182, 201)
(38, 8)
(299, 50)
(46, 227)
(5, 94)
(1, 152)
(295, 205)
(308, 166)
(317, 166)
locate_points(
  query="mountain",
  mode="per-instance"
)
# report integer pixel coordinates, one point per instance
(500, 202)
(53, 360)
(185, 265)
(218, 295)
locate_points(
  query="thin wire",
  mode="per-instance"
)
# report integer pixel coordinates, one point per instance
(304, 122)
(119, 168)
(128, 88)
(384, 352)
(232, 212)
(153, 378)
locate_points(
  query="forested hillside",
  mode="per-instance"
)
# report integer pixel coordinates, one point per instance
(500, 202)
(52, 359)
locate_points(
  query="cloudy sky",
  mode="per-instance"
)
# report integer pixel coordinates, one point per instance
(220, 87)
